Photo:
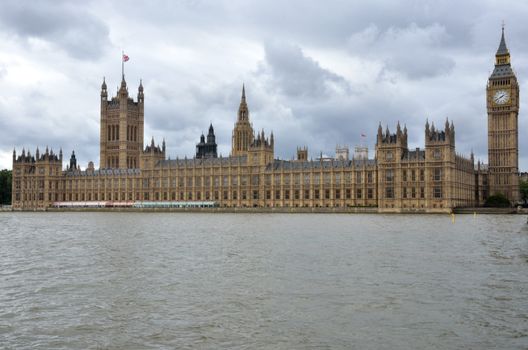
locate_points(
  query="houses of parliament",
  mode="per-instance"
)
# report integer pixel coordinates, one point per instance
(431, 179)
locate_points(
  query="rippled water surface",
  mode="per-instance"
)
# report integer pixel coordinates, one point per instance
(258, 281)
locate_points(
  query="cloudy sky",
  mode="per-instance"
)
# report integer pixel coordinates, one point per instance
(317, 73)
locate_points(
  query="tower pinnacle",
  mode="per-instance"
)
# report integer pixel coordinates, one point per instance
(503, 49)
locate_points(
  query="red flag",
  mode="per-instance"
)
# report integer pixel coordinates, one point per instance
(125, 58)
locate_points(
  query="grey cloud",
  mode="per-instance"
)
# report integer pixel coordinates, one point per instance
(414, 51)
(65, 24)
(298, 75)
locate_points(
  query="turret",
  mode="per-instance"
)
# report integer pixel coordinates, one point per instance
(73, 162)
(380, 133)
(261, 150)
(210, 135)
(151, 155)
(104, 92)
(123, 89)
(140, 96)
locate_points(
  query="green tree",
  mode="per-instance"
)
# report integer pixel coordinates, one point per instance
(523, 188)
(5, 186)
(497, 201)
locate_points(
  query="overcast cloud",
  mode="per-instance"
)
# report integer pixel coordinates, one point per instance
(316, 73)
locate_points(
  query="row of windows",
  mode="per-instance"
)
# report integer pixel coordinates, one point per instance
(389, 175)
(113, 133)
(207, 195)
(413, 192)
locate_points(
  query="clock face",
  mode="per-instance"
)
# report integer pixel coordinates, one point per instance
(501, 97)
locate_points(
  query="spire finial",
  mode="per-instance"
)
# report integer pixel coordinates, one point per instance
(243, 92)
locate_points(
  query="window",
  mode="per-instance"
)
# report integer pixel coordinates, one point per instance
(389, 192)
(369, 193)
(255, 195)
(358, 177)
(388, 156)
(404, 175)
(413, 192)
(422, 175)
(326, 178)
(359, 193)
(369, 177)
(287, 194)
(337, 194)
(422, 192)
(437, 192)
(348, 178)
(277, 194)
(437, 174)
(413, 175)
(405, 192)
(348, 193)
(437, 154)
(389, 175)
(297, 179)
(327, 194)
(306, 194)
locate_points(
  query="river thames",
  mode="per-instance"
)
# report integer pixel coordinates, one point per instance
(262, 281)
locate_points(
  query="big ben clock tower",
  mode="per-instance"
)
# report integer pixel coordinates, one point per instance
(502, 94)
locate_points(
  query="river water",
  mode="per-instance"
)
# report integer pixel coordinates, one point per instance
(262, 281)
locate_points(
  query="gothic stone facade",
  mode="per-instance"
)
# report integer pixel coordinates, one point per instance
(433, 179)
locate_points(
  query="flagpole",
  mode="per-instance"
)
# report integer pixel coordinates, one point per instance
(122, 64)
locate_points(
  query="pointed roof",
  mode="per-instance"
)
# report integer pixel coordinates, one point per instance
(243, 111)
(502, 50)
(502, 61)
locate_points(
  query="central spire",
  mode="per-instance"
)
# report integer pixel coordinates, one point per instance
(243, 111)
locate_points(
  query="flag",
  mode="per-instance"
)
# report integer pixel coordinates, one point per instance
(363, 135)
(125, 58)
